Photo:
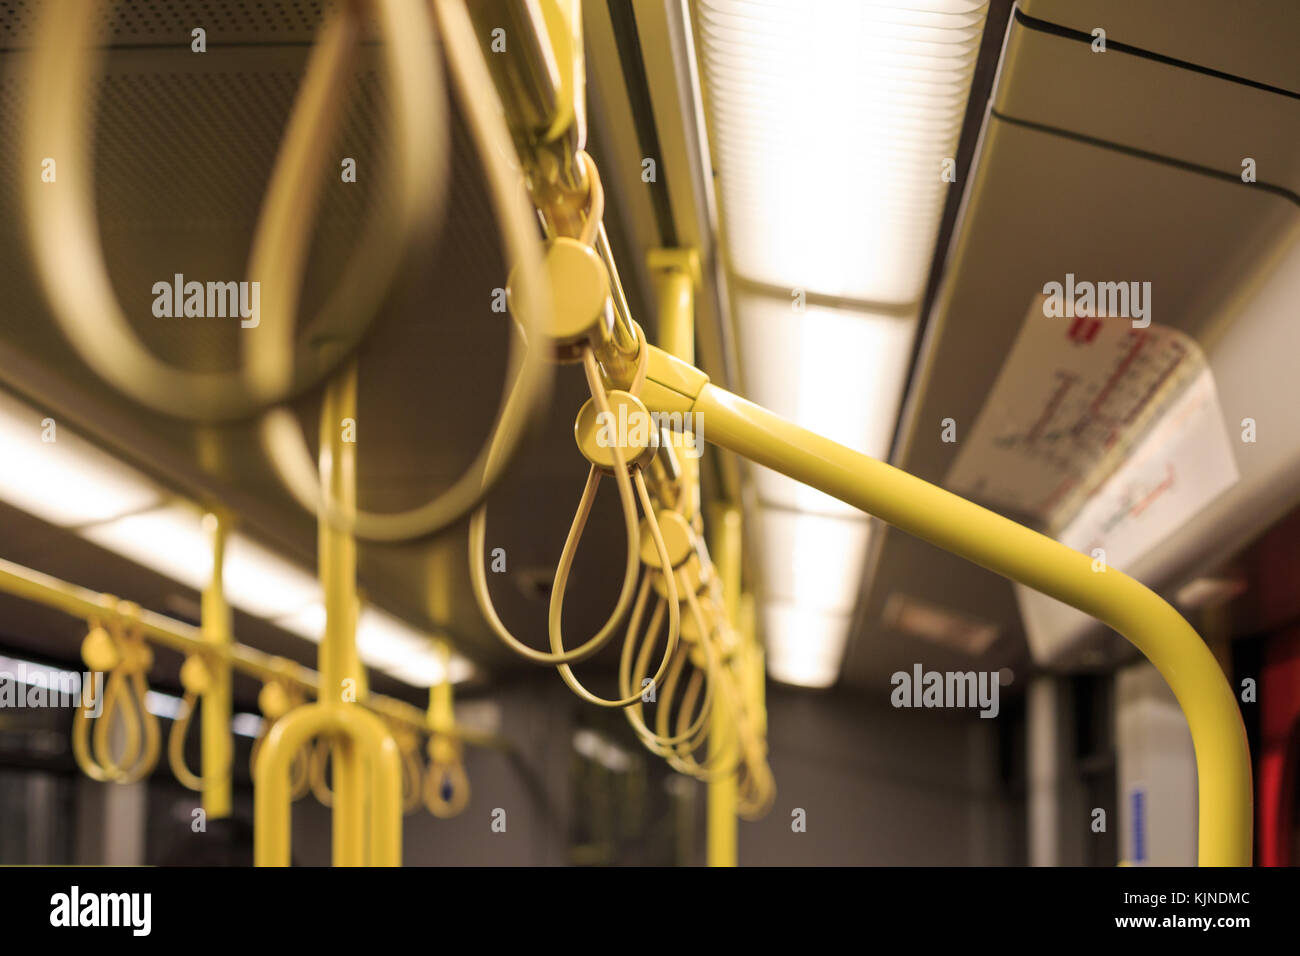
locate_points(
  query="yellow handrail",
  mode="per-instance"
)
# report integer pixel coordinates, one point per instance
(1016, 552)
(367, 759)
(186, 639)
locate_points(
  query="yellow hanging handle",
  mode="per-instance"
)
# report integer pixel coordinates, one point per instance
(318, 761)
(408, 744)
(101, 654)
(196, 678)
(446, 785)
(120, 650)
(277, 698)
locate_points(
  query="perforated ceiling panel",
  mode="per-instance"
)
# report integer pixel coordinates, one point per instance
(183, 149)
(165, 22)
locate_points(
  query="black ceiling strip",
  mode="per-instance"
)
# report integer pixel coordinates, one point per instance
(628, 41)
(1043, 26)
(986, 69)
(1231, 177)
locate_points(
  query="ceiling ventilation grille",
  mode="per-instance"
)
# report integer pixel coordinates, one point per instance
(169, 22)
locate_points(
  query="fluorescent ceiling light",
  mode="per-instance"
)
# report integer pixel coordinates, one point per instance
(66, 481)
(307, 622)
(71, 483)
(419, 670)
(162, 705)
(59, 682)
(840, 373)
(938, 625)
(392, 646)
(56, 680)
(387, 644)
(383, 641)
(837, 372)
(429, 669)
(812, 559)
(804, 646)
(262, 583)
(829, 124)
(169, 540)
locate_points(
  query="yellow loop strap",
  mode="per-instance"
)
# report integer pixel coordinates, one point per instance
(631, 524)
(595, 213)
(176, 744)
(124, 708)
(446, 785)
(318, 761)
(597, 387)
(658, 742)
(64, 237)
(528, 380)
(282, 696)
(412, 767)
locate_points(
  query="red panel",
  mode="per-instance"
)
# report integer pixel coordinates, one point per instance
(1279, 701)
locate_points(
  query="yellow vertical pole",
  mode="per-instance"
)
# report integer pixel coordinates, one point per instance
(723, 741)
(753, 665)
(676, 273)
(442, 709)
(341, 679)
(337, 549)
(215, 740)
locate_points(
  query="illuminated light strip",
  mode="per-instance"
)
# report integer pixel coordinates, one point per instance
(59, 477)
(831, 124)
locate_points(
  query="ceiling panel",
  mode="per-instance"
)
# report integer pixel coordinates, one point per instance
(1254, 39)
(1050, 196)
